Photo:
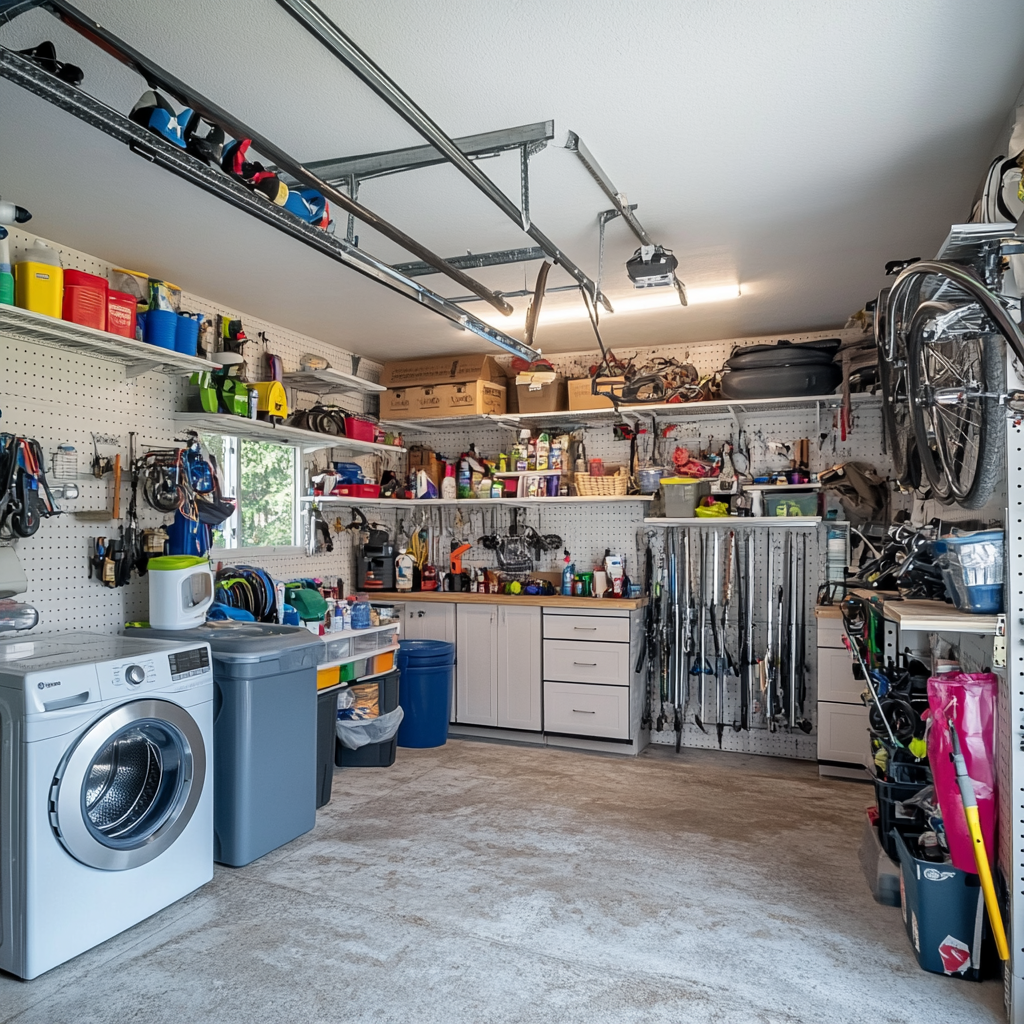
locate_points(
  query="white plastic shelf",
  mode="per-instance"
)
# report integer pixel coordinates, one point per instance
(136, 356)
(326, 382)
(599, 417)
(258, 430)
(430, 502)
(736, 521)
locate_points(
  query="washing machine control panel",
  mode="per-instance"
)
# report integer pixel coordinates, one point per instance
(189, 664)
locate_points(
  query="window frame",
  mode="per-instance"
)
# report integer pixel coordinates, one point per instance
(231, 470)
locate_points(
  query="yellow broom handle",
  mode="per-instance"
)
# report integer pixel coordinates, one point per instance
(987, 886)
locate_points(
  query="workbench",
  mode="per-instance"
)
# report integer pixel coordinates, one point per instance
(555, 670)
(628, 604)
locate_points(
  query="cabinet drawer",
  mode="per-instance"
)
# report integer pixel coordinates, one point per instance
(586, 661)
(835, 677)
(843, 733)
(830, 633)
(586, 627)
(583, 710)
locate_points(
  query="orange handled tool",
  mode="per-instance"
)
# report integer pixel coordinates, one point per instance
(455, 560)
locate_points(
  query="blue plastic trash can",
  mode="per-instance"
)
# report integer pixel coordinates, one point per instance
(426, 668)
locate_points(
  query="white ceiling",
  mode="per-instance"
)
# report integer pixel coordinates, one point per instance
(789, 146)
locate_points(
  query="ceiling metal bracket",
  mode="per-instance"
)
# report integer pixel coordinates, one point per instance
(159, 78)
(322, 28)
(475, 260)
(622, 206)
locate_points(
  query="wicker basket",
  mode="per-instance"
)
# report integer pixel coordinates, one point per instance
(588, 486)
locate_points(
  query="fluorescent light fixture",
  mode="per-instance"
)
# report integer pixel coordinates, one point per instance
(660, 298)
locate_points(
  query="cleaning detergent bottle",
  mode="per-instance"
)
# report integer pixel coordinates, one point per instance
(403, 570)
(6, 277)
(568, 574)
(39, 280)
(448, 483)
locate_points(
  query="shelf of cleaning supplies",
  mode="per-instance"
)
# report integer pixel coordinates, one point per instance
(328, 381)
(258, 430)
(735, 521)
(136, 356)
(428, 502)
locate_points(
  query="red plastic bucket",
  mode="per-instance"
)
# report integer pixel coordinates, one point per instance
(85, 299)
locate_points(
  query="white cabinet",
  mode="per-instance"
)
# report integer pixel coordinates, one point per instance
(424, 620)
(519, 650)
(582, 709)
(497, 666)
(427, 621)
(844, 747)
(476, 664)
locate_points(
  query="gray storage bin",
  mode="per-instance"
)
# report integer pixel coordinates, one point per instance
(264, 732)
(682, 499)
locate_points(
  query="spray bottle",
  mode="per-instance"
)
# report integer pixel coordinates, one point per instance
(568, 573)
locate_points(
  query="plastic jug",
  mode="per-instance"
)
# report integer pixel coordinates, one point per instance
(180, 591)
(39, 280)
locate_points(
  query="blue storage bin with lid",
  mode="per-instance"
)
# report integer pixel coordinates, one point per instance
(427, 668)
(972, 568)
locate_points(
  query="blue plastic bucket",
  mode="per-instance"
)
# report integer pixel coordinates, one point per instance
(427, 668)
(186, 335)
(160, 328)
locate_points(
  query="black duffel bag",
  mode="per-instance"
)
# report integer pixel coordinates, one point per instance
(784, 353)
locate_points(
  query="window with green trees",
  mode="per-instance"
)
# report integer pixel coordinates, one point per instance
(262, 478)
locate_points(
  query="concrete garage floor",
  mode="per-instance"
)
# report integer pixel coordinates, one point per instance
(488, 883)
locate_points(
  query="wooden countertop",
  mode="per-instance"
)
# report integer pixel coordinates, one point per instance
(522, 600)
(931, 616)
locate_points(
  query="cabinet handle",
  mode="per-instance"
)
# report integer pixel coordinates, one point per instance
(586, 664)
(420, 614)
(593, 629)
(576, 711)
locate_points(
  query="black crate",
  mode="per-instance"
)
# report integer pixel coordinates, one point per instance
(374, 755)
(887, 796)
(326, 737)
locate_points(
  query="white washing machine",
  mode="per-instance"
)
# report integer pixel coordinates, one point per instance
(106, 789)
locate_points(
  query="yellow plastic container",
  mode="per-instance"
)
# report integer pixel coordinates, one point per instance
(272, 399)
(39, 281)
(327, 677)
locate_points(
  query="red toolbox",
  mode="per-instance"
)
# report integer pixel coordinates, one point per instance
(85, 299)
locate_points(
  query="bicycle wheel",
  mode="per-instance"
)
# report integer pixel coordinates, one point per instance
(892, 367)
(955, 376)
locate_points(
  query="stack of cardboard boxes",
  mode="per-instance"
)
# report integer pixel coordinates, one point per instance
(440, 386)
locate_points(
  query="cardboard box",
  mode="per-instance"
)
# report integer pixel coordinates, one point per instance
(406, 373)
(581, 398)
(473, 398)
(549, 397)
(427, 460)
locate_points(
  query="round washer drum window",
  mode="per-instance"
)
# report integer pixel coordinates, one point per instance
(133, 784)
(130, 785)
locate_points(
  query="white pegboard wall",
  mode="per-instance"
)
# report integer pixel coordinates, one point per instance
(60, 397)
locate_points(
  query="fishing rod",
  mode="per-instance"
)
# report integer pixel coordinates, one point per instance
(702, 664)
(685, 642)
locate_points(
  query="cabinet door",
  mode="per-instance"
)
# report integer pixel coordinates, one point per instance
(519, 643)
(476, 663)
(428, 621)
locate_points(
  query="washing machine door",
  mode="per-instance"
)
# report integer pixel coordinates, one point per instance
(130, 785)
